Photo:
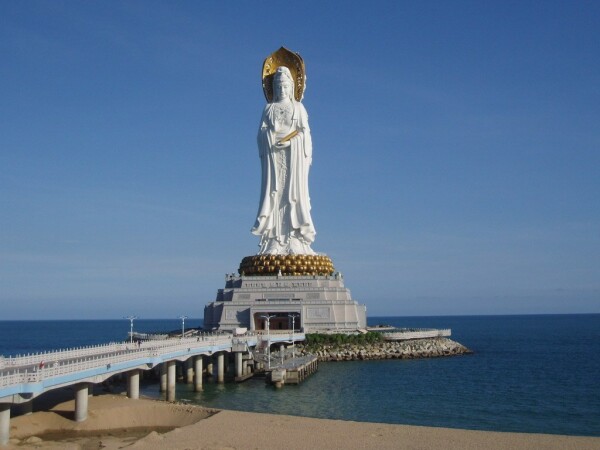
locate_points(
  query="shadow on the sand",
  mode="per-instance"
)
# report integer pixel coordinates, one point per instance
(69, 415)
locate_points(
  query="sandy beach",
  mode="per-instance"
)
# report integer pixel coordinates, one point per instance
(115, 422)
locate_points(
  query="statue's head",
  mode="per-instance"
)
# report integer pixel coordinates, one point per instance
(283, 84)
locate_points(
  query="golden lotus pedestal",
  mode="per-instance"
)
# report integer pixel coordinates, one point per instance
(291, 265)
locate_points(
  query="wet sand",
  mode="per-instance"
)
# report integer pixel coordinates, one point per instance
(115, 421)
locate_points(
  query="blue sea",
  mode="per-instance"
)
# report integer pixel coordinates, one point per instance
(531, 373)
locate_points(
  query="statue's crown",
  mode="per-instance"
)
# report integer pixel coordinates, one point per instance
(284, 73)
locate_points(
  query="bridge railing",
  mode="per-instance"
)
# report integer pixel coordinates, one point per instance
(36, 374)
(82, 352)
(10, 379)
(130, 352)
(76, 352)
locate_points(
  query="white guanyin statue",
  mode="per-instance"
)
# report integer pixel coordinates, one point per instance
(283, 222)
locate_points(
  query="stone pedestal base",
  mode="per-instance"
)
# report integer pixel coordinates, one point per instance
(310, 302)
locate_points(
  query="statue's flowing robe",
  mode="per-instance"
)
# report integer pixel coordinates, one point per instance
(296, 223)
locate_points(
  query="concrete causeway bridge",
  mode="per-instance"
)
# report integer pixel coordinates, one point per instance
(24, 378)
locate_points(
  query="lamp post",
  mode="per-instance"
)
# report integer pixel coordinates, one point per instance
(183, 325)
(131, 319)
(268, 319)
(293, 316)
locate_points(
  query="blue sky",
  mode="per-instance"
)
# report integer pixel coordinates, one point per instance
(456, 152)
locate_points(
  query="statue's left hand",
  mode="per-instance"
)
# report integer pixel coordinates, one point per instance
(282, 145)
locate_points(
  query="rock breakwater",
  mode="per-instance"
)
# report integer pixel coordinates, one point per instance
(409, 349)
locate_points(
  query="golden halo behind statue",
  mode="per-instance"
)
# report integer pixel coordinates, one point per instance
(289, 59)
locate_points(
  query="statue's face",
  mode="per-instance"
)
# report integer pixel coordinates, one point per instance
(282, 88)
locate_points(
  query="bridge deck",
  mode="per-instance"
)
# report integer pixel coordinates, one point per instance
(23, 378)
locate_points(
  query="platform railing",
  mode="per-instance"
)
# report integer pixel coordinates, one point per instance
(279, 332)
(400, 335)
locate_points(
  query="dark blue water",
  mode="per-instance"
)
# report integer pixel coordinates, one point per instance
(538, 374)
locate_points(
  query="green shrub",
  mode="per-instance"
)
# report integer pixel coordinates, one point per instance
(319, 339)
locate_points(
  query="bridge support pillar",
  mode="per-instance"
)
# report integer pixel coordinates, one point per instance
(245, 367)
(189, 371)
(221, 367)
(198, 373)
(163, 377)
(133, 384)
(239, 367)
(4, 423)
(210, 368)
(171, 377)
(81, 401)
